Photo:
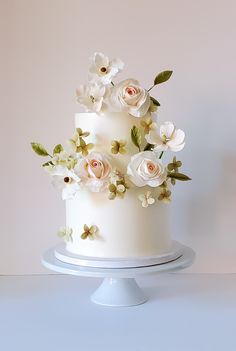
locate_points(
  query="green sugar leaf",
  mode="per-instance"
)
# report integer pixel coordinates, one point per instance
(39, 149)
(136, 137)
(155, 102)
(162, 77)
(179, 176)
(47, 164)
(148, 147)
(57, 149)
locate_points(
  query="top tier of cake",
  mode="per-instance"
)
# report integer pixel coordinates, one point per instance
(104, 128)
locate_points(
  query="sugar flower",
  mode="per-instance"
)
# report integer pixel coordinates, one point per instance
(89, 232)
(78, 144)
(167, 138)
(65, 158)
(94, 170)
(116, 190)
(91, 96)
(146, 169)
(118, 147)
(102, 70)
(148, 124)
(65, 233)
(130, 97)
(65, 180)
(146, 199)
(165, 196)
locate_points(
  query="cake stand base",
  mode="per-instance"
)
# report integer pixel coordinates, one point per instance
(119, 292)
(119, 287)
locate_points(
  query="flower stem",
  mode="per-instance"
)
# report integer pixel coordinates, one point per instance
(112, 84)
(151, 87)
(161, 154)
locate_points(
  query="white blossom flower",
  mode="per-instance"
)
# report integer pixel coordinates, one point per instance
(130, 97)
(168, 138)
(146, 169)
(146, 199)
(65, 158)
(102, 70)
(94, 170)
(91, 96)
(65, 233)
(65, 180)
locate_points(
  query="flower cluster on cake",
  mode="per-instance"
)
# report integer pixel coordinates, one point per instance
(111, 172)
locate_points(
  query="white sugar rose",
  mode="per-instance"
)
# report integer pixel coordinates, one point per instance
(130, 97)
(94, 170)
(146, 169)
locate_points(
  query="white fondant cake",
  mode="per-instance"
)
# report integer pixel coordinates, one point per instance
(126, 229)
(113, 176)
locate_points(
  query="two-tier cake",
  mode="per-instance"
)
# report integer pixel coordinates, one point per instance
(114, 175)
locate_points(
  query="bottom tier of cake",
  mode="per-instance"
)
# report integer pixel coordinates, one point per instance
(124, 227)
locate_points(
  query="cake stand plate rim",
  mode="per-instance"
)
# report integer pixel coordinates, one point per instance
(133, 262)
(51, 262)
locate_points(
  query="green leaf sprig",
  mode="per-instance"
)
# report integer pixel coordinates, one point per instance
(39, 149)
(161, 78)
(57, 149)
(136, 137)
(178, 176)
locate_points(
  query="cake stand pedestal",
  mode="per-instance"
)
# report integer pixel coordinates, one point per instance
(119, 287)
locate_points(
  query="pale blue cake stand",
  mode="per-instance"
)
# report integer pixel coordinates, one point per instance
(119, 287)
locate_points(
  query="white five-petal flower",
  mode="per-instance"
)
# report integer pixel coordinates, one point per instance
(65, 158)
(168, 138)
(91, 96)
(65, 180)
(102, 70)
(146, 199)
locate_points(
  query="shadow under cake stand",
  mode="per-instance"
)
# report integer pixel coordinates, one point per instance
(119, 287)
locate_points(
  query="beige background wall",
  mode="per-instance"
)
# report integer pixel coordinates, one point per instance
(44, 50)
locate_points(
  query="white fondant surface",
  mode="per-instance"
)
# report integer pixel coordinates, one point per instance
(126, 229)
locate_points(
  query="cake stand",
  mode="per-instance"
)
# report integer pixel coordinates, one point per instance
(119, 287)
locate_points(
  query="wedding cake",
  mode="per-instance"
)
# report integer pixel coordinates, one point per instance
(113, 177)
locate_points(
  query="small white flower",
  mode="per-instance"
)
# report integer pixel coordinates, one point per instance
(91, 96)
(168, 138)
(65, 180)
(130, 97)
(65, 233)
(146, 199)
(102, 70)
(146, 169)
(65, 158)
